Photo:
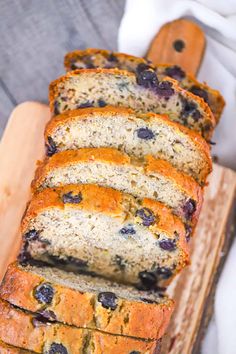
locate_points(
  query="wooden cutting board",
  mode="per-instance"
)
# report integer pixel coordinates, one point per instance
(22, 145)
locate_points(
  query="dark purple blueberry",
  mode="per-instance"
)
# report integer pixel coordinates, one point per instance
(147, 216)
(24, 255)
(51, 148)
(164, 89)
(163, 272)
(146, 76)
(86, 104)
(127, 230)
(135, 352)
(168, 244)
(111, 57)
(145, 133)
(73, 66)
(148, 279)
(148, 301)
(175, 72)
(179, 45)
(102, 103)
(57, 348)
(31, 235)
(39, 321)
(190, 109)
(142, 66)
(108, 300)
(56, 109)
(88, 62)
(188, 232)
(48, 315)
(120, 262)
(72, 198)
(44, 293)
(199, 92)
(189, 208)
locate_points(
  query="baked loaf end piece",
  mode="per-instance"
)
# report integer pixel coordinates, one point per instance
(134, 133)
(99, 87)
(95, 58)
(108, 167)
(32, 332)
(90, 302)
(103, 231)
(10, 349)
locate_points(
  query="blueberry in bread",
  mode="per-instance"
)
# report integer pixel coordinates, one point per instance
(134, 133)
(140, 91)
(36, 333)
(98, 58)
(102, 231)
(85, 301)
(10, 349)
(143, 178)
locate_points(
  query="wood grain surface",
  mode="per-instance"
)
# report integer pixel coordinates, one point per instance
(21, 147)
(179, 42)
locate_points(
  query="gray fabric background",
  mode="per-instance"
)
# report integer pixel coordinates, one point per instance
(35, 35)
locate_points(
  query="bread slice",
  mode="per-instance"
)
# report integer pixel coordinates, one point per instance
(103, 231)
(10, 349)
(32, 332)
(141, 91)
(144, 178)
(134, 133)
(88, 302)
(99, 58)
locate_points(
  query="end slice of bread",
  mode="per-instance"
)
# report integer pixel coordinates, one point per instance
(99, 58)
(99, 87)
(88, 302)
(108, 167)
(103, 231)
(133, 133)
(31, 332)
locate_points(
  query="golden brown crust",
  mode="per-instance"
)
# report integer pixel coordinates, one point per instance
(81, 308)
(109, 111)
(108, 201)
(9, 349)
(218, 100)
(19, 328)
(184, 183)
(54, 91)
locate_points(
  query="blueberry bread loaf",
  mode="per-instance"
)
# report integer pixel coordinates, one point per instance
(143, 178)
(36, 333)
(134, 133)
(85, 301)
(102, 231)
(98, 58)
(10, 349)
(141, 91)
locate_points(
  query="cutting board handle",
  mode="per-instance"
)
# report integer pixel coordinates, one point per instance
(181, 42)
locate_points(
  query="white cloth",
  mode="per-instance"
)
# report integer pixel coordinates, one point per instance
(141, 21)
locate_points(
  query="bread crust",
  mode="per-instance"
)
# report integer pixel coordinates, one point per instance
(19, 285)
(150, 165)
(115, 204)
(54, 91)
(21, 329)
(9, 349)
(108, 111)
(216, 103)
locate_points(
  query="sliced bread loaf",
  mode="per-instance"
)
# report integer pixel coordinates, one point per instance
(99, 58)
(103, 231)
(88, 302)
(144, 178)
(141, 91)
(133, 133)
(35, 333)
